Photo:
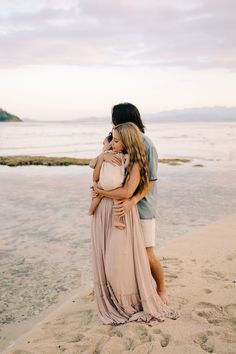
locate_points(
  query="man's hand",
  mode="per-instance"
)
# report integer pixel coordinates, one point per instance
(122, 207)
(112, 158)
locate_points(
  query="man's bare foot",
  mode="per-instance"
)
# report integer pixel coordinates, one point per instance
(119, 225)
(163, 295)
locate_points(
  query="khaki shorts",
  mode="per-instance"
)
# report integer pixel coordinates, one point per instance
(149, 231)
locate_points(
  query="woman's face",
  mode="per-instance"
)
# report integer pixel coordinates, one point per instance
(117, 145)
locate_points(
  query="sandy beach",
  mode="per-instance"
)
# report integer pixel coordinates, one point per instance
(201, 279)
(46, 266)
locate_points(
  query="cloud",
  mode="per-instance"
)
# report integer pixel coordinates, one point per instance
(195, 33)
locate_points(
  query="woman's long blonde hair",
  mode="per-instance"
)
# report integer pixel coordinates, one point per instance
(134, 146)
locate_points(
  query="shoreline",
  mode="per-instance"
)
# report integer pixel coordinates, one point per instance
(200, 276)
(24, 160)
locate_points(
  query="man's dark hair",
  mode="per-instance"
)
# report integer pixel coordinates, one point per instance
(127, 112)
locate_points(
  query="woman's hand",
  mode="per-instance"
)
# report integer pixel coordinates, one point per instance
(112, 158)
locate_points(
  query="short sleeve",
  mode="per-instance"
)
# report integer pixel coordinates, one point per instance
(153, 162)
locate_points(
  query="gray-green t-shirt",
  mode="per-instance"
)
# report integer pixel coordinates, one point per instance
(147, 206)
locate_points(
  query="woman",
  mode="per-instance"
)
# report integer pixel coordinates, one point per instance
(124, 288)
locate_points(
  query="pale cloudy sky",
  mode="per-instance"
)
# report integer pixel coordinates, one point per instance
(65, 59)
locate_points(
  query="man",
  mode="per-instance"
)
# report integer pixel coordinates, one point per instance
(146, 201)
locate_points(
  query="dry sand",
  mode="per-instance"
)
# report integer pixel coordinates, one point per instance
(201, 280)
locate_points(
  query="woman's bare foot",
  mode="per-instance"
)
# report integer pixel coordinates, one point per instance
(163, 295)
(119, 225)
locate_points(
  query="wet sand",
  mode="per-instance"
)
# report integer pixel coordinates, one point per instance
(45, 243)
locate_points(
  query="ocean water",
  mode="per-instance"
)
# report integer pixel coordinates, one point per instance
(44, 226)
(188, 196)
(206, 142)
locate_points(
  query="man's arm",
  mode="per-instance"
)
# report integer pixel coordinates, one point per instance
(123, 206)
(139, 196)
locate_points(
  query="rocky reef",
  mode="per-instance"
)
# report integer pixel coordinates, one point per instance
(63, 161)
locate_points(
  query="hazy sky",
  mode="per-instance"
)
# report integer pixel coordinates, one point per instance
(65, 59)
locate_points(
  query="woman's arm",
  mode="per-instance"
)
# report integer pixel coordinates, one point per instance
(139, 196)
(123, 206)
(127, 190)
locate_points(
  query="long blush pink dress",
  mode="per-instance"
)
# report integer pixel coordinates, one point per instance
(124, 288)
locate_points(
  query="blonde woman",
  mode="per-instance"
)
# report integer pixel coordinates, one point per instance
(124, 287)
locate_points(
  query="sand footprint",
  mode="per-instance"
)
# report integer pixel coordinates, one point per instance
(172, 262)
(19, 351)
(231, 257)
(164, 338)
(171, 276)
(180, 302)
(143, 333)
(173, 268)
(205, 341)
(77, 338)
(86, 317)
(113, 343)
(207, 291)
(115, 332)
(231, 311)
(212, 313)
(135, 338)
(90, 296)
(207, 273)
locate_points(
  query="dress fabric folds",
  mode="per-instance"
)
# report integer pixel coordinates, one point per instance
(125, 290)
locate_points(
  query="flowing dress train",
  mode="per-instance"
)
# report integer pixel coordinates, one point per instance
(124, 288)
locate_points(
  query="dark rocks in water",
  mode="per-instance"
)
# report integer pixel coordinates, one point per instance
(198, 165)
(174, 162)
(8, 117)
(13, 161)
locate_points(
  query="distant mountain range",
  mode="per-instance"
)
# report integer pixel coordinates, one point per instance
(194, 114)
(221, 114)
(207, 114)
(8, 117)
